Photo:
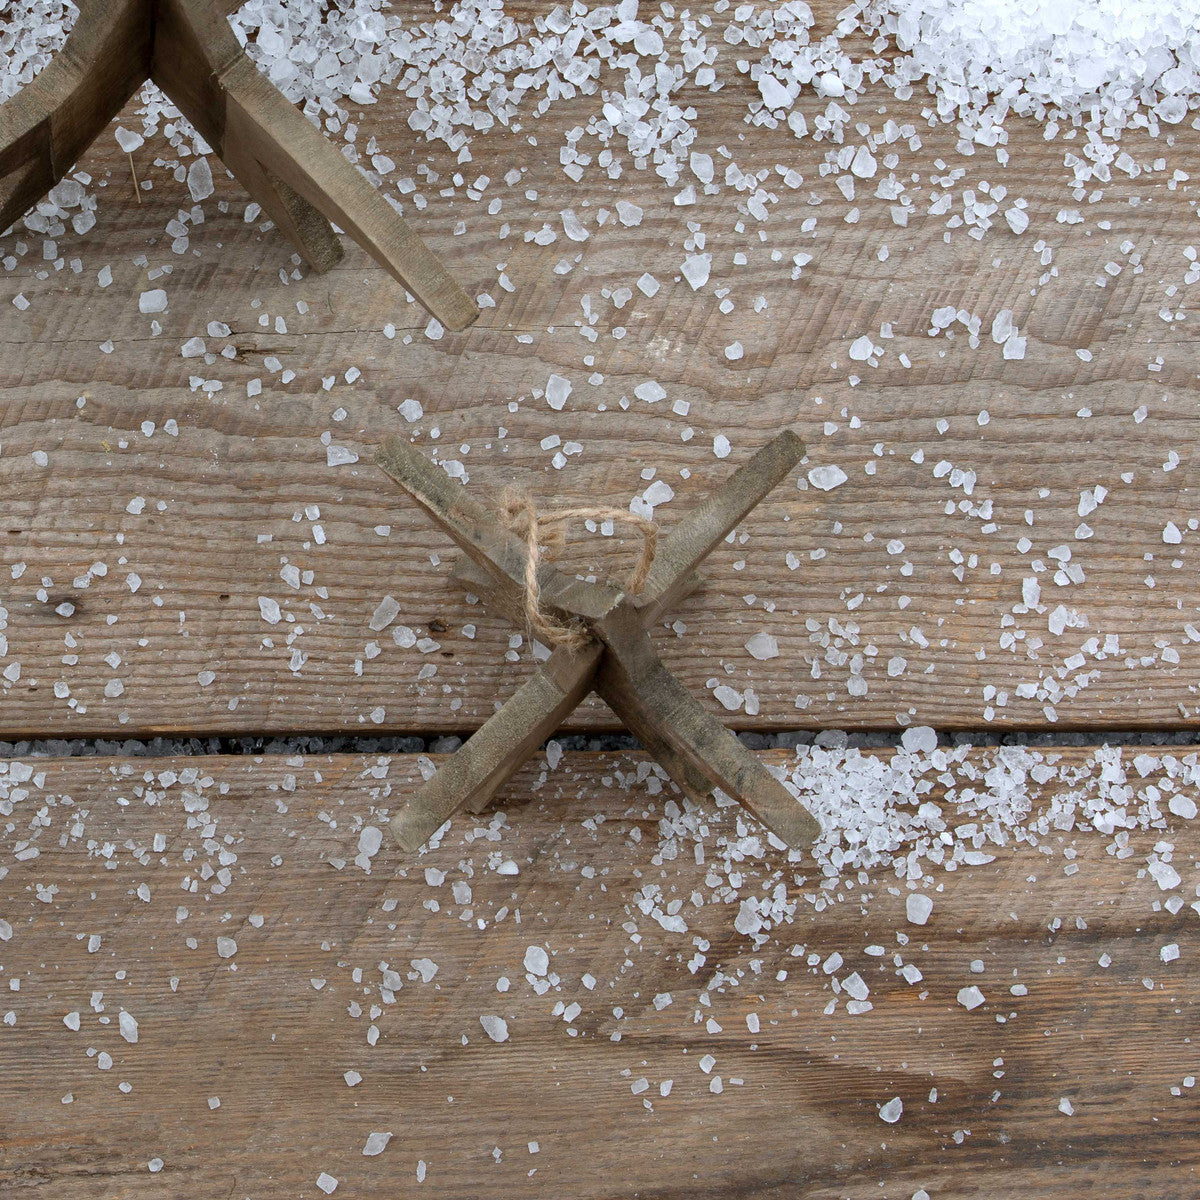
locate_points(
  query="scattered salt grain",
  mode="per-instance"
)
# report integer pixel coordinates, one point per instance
(376, 1144)
(827, 477)
(200, 180)
(495, 1027)
(970, 997)
(537, 961)
(763, 646)
(696, 268)
(557, 391)
(628, 214)
(919, 739)
(892, 1110)
(385, 613)
(153, 301)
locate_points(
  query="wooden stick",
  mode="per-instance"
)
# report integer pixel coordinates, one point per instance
(47, 125)
(705, 526)
(267, 127)
(493, 754)
(667, 719)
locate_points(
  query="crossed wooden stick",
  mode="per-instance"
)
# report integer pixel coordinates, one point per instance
(618, 661)
(187, 47)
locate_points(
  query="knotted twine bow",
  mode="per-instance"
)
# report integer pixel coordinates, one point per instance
(545, 533)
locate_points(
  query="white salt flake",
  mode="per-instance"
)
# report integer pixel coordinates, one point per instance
(827, 477)
(651, 391)
(918, 907)
(774, 93)
(153, 301)
(763, 646)
(919, 739)
(970, 997)
(892, 1110)
(495, 1027)
(200, 180)
(861, 348)
(385, 613)
(863, 164)
(557, 391)
(696, 268)
(628, 214)
(1017, 218)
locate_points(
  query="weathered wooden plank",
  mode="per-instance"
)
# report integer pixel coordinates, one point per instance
(242, 466)
(125, 846)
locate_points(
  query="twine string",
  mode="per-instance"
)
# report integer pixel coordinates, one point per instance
(544, 534)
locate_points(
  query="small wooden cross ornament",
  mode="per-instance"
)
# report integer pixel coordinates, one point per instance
(298, 177)
(617, 660)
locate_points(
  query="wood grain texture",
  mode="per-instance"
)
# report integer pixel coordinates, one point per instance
(272, 1029)
(221, 498)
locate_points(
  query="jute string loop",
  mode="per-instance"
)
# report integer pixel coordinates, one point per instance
(544, 533)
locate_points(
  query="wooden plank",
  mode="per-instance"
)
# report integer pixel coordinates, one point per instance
(97, 927)
(241, 467)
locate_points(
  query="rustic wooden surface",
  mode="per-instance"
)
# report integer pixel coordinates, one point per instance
(193, 527)
(241, 468)
(254, 1031)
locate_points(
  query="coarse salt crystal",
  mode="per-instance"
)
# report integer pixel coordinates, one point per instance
(827, 477)
(970, 997)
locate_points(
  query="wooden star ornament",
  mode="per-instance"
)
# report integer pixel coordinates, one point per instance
(617, 660)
